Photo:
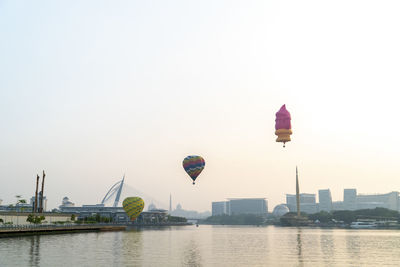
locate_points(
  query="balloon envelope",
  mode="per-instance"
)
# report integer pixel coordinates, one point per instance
(193, 165)
(133, 206)
(283, 125)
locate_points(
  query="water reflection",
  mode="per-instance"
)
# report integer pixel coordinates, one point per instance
(299, 247)
(192, 255)
(34, 251)
(353, 246)
(207, 246)
(131, 248)
(327, 247)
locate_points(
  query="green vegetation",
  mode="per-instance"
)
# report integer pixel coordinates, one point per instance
(240, 219)
(73, 217)
(322, 216)
(1, 221)
(35, 219)
(94, 219)
(343, 216)
(348, 216)
(291, 219)
(176, 219)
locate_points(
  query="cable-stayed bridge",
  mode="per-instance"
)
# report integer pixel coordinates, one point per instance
(120, 190)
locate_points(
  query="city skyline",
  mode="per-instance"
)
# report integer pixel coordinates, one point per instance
(90, 91)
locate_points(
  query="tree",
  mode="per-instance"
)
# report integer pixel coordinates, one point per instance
(35, 219)
(18, 197)
(176, 219)
(30, 218)
(322, 216)
(73, 217)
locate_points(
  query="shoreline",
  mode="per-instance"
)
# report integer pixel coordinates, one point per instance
(30, 230)
(56, 229)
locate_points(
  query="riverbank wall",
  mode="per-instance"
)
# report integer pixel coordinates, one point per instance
(23, 230)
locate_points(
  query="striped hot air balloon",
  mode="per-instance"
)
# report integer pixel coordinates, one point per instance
(193, 165)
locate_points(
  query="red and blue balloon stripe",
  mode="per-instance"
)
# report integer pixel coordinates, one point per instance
(193, 166)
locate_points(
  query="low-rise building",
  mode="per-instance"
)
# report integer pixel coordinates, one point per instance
(307, 203)
(20, 218)
(258, 206)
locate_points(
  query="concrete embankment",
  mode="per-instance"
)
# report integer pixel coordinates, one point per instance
(56, 229)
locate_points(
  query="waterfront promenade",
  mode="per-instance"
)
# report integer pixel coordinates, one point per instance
(21, 230)
(18, 230)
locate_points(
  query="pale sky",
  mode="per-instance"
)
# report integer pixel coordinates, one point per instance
(90, 90)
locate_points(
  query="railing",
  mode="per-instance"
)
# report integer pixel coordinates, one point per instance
(52, 226)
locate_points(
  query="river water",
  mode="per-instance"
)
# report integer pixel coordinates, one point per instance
(207, 246)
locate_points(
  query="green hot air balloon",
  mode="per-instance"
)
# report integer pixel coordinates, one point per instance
(133, 206)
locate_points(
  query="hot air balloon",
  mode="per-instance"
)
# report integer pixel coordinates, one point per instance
(193, 165)
(133, 206)
(282, 125)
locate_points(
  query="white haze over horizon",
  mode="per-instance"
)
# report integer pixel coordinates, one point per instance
(90, 90)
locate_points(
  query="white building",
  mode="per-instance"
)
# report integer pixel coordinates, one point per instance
(325, 200)
(388, 201)
(354, 201)
(350, 199)
(280, 210)
(66, 203)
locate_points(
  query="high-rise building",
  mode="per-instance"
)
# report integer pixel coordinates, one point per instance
(219, 208)
(325, 200)
(307, 203)
(350, 199)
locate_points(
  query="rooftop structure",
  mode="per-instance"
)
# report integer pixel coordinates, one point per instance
(66, 203)
(280, 210)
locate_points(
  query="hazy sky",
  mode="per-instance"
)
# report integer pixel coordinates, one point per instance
(90, 90)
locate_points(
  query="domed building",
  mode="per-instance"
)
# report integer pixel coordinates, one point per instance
(280, 210)
(152, 207)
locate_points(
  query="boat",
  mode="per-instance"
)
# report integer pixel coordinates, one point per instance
(363, 225)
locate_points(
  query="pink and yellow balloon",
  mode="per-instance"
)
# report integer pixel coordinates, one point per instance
(283, 127)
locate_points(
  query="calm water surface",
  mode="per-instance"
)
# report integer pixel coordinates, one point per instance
(207, 246)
